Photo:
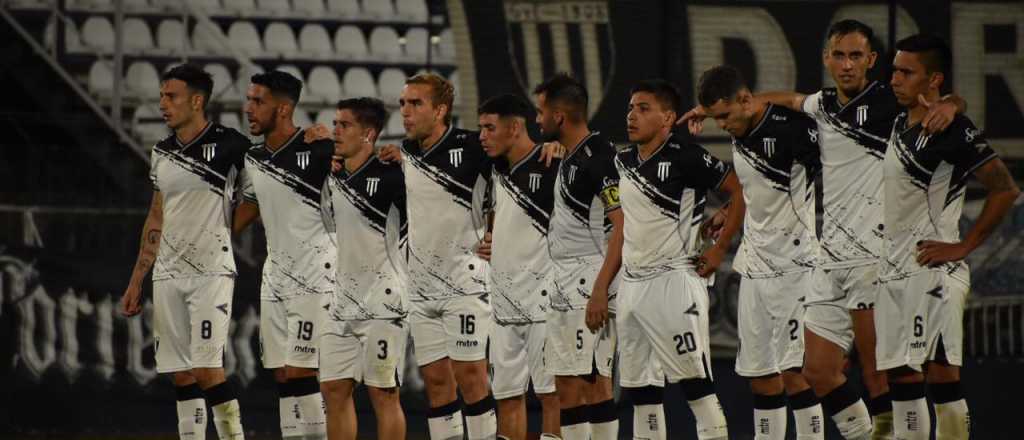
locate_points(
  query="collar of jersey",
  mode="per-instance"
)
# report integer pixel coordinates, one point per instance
(347, 175)
(533, 152)
(640, 161)
(579, 145)
(855, 98)
(426, 152)
(287, 144)
(767, 113)
(194, 140)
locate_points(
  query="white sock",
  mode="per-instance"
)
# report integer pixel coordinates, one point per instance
(549, 437)
(770, 417)
(228, 420)
(445, 423)
(313, 424)
(910, 419)
(579, 431)
(289, 412)
(192, 419)
(809, 423)
(481, 419)
(854, 422)
(649, 422)
(710, 418)
(952, 421)
(604, 430)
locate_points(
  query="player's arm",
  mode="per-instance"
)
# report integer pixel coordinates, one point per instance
(791, 100)
(245, 214)
(131, 301)
(1002, 192)
(941, 113)
(597, 306)
(708, 262)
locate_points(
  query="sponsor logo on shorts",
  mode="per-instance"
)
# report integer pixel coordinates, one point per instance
(301, 349)
(467, 343)
(917, 345)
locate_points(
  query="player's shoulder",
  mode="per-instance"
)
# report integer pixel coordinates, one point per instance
(321, 147)
(962, 131)
(461, 136)
(230, 137)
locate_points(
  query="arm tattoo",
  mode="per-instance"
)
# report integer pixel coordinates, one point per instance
(153, 236)
(996, 177)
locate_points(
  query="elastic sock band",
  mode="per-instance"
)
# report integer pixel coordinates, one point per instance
(945, 392)
(445, 410)
(696, 389)
(575, 415)
(648, 395)
(220, 393)
(304, 386)
(481, 407)
(769, 402)
(603, 412)
(188, 392)
(904, 392)
(880, 405)
(803, 399)
(840, 398)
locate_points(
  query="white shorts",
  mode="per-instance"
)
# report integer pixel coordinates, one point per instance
(371, 351)
(574, 285)
(908, 319)
(664, 318)
(771, 315)
(290, 330)
(572, 350)
(952, 332)
(833, 294)
(456, 328)
(517, 355)
(191, 317)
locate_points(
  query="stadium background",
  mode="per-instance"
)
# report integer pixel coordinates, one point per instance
(74, 160)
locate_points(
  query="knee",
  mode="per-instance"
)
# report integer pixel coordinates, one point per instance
(183, 378)
(208, 377)
(472, 377)
(291, 373)
(335, 392)
(767, 385)
(816, 372)
(549, 400)
(940, 373)
(383, 397)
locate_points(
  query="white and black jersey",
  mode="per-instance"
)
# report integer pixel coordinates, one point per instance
(663, 200)
(775, 164)
(447, 190)
(197, 181)
(925, 176)
(287, 184)
(853, 140)
(520, 264)
(369, 206)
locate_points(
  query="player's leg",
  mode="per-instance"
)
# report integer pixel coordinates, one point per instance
(952, 419)
(306, 317)
(807, 413)
(604, 416)
(341, 411)
(788, 337)
(171, 329)
(273, 353)
(543, 381)
(340, 351)
(210, 308)
(510, 359)
(561, 355)
(444, 412)
(863, 294)
(383, 359)
(645, 394)
(468, 322)
(756, 360)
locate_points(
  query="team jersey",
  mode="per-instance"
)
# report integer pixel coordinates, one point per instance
(447, 188)
(663, 200)
(369, 206)
(287, 184)
(853, 141)
(197, 182)
(520, 264)
(925, 176)
(775, 164)
(586, 189)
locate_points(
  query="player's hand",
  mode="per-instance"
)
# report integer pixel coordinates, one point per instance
(694, 120)
(483, 249)
(337, 162)
(551, 151)
(933, 253)
(940, 114)
(131, 301)
(317, 132)
(708, 262)
(597, 310)
(389, 153)
(712, 227)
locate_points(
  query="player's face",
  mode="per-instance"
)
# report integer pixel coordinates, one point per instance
(548, 119)
(419, 114)
(646, 117)
(349, 135)
(732, 115)
(261, 109)
(910, 78)
(496, 134)
(848, 58)
(177, 103)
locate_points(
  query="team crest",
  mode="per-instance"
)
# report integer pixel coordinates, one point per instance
(769, 146)
(534, 182)
(663, 170)
(455, 157)
(572, 173)
(922, 140)
(568, 24)
(302, 159)
(209, 151)
(371, 185)
(862, 114)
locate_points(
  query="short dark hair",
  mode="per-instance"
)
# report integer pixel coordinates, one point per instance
(195, 78)
(505, 106)
(849, 26)
(665, 92)
(719, 83)
(281, 84)
(369, 112)
(933, 51)
(567, 91)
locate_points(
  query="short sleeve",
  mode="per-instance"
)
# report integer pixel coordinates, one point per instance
(605, 178)
(812, 104)
(705, 171)
(969, 149)
(153, 158)
(245, 181)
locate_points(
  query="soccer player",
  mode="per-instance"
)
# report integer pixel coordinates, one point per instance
(447, 174)
(284, 175)
(923, 277)
(663, 299)
(775, 155)
(365, 337)
(521, 267)
(187, 240)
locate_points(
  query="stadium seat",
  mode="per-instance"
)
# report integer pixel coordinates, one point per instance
(136, 5)
(358, 82)
(211, 7)
(350, 43)
(394, 128)
(344, 8)
(223, 84)
(314, 42)
(279, 39)
(90, 5)
(384, 44)
(324, 86)
(244, 78)
(244, 37)
(148, 124)
(205, 41)
(142, 81)
(137, 37)
(98, 34)
(454, 79)
(101, 78)
(326, 117)
(301, 118)
(72, 41)
(170, 37)
(232, 120)
(446, 47)
(309, 8)
(390, 85)
(293, 71)
(31, 4)
(379, 10)
(416, 44)
(273, 7)
(239, 7)
(414, 11)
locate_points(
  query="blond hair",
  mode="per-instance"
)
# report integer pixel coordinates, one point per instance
(442, 91)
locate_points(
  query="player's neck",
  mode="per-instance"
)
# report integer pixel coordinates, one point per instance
(647, 149)
(521, 149)
(846, 96)
(188, 132)
(359, 159)
(760, 112)
(572, 135)
(277, 138)
(916, 113)
(436, 134)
